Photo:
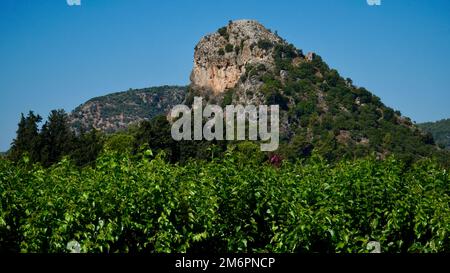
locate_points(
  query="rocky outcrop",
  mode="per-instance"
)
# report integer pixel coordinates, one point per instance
(222, 58)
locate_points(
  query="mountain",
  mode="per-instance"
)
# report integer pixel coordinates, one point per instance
(440, 131)
(246, 63)
(116, 111)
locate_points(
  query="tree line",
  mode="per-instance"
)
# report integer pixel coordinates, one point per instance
(54, 140)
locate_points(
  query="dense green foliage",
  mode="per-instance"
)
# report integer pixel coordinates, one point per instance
(440, 131)
(231, 204)
(49, 144)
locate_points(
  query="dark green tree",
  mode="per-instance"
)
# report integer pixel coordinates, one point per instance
(86, 147)
(156, 134)
(57, 140)
(27, 139)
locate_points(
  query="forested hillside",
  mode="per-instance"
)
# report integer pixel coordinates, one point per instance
(117, 111)
(440, 131)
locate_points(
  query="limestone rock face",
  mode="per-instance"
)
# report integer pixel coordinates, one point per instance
(221, 58)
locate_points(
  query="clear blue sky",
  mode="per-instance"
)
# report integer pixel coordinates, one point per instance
(57, 56)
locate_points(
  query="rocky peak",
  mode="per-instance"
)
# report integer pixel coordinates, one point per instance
(221, 58)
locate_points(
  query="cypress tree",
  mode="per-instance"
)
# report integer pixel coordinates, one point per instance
(27, 138)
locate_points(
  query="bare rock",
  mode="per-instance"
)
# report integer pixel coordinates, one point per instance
(221, 59)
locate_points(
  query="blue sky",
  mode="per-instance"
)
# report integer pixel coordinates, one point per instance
(57, 56)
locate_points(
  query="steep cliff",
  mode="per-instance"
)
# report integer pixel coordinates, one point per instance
(221, 58)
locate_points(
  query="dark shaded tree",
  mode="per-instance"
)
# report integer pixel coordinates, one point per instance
(86, 147)
(27, 139)
(156, 135)
(57, 140)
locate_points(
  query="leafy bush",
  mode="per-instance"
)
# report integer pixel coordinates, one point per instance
(228, 98)
(237, 49)
(223, 32)
(265, 44)
(229, 48)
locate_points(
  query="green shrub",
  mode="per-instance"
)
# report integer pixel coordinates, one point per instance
(265, 44)
(237, 50)
(223, 31)
(228, 98)
(229, 48)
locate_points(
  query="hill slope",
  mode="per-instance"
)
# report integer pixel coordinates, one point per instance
(440, 131)
(246, 63)
(116, 111)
